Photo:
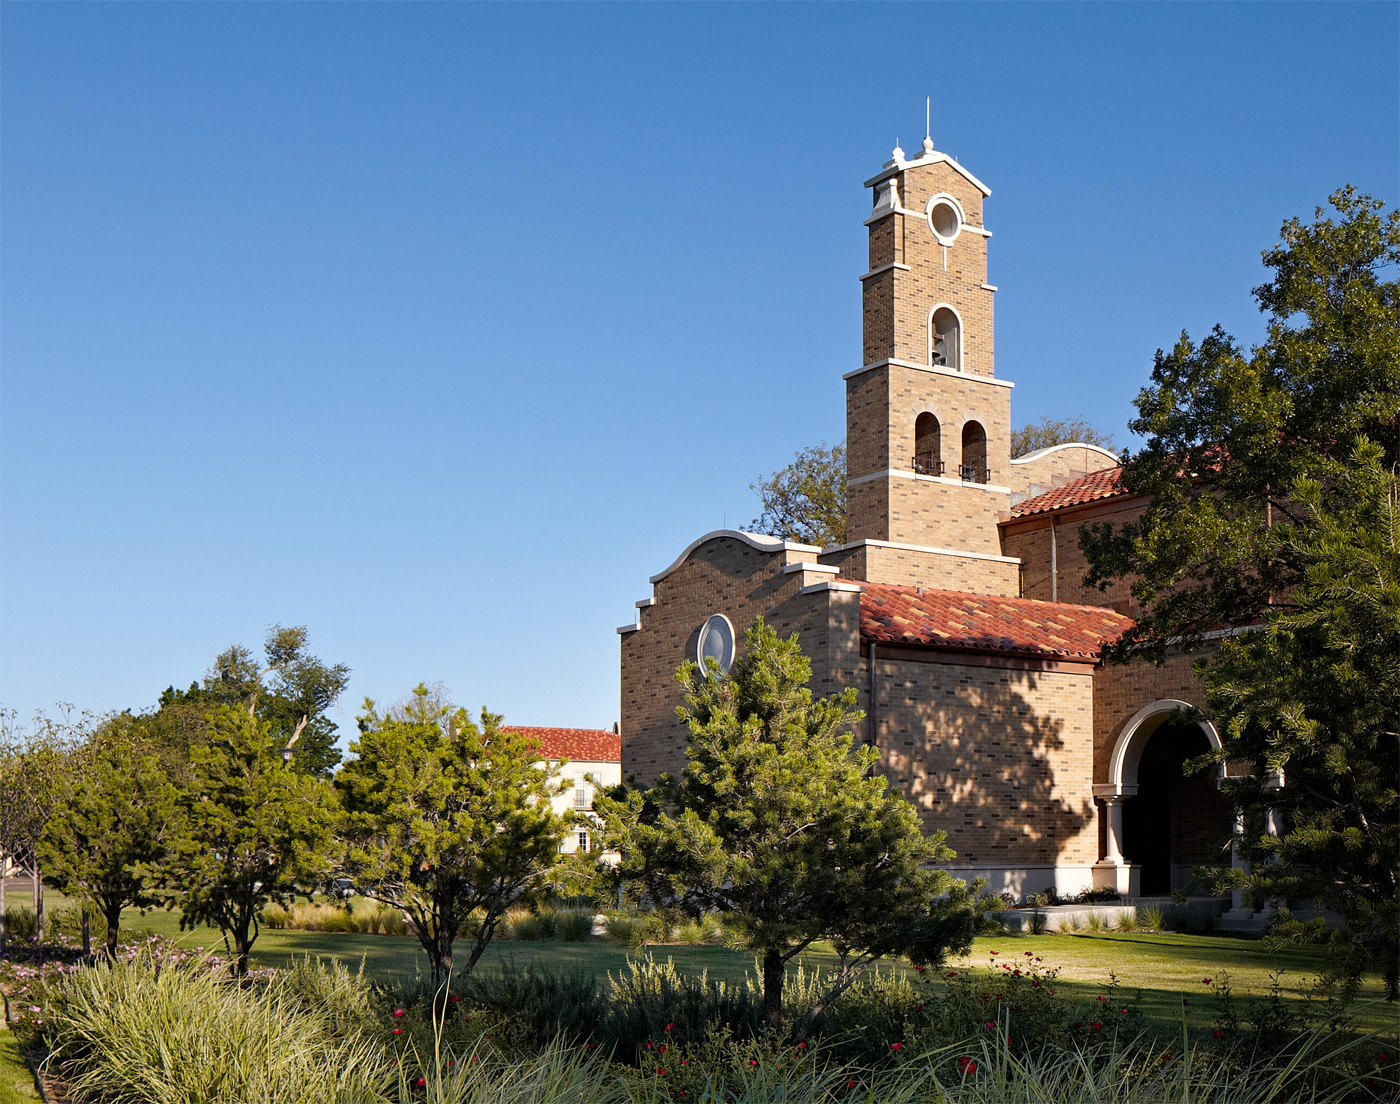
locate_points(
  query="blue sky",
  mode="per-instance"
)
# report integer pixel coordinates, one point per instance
(439, 328)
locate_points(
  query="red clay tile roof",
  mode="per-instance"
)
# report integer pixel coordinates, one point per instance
(974, 622)
(578, 745)
(1087, 488)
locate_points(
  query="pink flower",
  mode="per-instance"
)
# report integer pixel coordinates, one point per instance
(398, 1013)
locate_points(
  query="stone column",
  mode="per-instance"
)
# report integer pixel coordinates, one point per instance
(1113, 871)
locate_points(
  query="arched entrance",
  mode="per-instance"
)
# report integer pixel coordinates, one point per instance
(1177, 821)
(1161, 823)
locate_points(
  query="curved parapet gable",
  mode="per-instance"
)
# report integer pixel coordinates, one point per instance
(760, 541)
(1039, 471)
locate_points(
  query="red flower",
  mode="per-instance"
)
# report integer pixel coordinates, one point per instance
(650, 1045)
(590, 1046)
(801, 1046)
(851, 1082)
(682, 1061)
(989, 1025)
(753, 1061)
(398, 1013)
(660, 1072)
(669, 1026)
(967, 1065)
(1103, 998)
(397, 1031)
(661, 1049)
(920, 969)
(896, 1046)
(1097, 1026)
(421, 1082)
(1205, 981)
(918, 1008)
(1217, 1033)
(996, 952)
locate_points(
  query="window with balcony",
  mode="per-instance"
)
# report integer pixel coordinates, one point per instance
(928, 452)
(973, 468)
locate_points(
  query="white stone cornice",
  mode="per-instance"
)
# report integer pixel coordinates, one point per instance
(925, 549)
(893, 473)
(938, 371)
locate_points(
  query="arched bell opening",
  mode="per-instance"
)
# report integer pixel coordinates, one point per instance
(945, 339)
(928, 449)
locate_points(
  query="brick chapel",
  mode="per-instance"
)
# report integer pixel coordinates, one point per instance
(956, 606)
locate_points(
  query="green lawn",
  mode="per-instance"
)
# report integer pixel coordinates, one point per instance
(1156, 970)
(16, 1082)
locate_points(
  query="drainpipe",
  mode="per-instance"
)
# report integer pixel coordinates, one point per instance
(1054, 564)
(870, 713)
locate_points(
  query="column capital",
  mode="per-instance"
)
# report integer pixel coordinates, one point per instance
(1115, 791)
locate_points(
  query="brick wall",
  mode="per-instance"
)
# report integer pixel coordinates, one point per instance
(998, 757)
(1029, 540)
(723, 575)
(912, 567)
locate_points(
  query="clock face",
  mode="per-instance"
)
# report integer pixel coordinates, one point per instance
(716, 642)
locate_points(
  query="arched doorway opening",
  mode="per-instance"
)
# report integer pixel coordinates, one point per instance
(1177, 821)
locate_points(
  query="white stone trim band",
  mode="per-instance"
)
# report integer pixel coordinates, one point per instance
(927, 368)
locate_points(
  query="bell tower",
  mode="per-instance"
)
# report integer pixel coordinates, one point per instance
(928, 432)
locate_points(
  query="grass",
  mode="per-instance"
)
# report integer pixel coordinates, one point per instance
(1166, 967)
(16, 1082)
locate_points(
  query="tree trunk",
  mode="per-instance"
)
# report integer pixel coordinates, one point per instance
(87, 939)
(38, 902)
(113, 916)
(773, 966)
(4, 922)
(241, 946)
(443, 967)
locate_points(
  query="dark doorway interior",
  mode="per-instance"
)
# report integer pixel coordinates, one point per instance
(1175, 822)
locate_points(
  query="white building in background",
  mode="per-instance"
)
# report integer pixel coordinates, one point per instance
(587, 753)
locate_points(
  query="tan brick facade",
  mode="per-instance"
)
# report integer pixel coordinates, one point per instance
(1003, 752)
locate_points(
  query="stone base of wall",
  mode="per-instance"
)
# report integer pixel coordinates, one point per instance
(1021, 881)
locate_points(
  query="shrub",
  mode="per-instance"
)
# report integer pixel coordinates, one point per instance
(575, 926)
(21, 922)
(1096, 921)
(1149, 918)
(174, 1033)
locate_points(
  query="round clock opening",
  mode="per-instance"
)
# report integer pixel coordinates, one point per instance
(944, 219)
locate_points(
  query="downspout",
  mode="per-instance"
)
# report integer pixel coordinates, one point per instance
(1054, 563)
(870, 713)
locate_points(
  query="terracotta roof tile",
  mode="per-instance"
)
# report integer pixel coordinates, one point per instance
(975, 622)
(1087, 488)
(579, 745)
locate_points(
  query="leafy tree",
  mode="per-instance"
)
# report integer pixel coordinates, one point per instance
(32, 763)
(1313, 701)
(450, 822)
(806, 501)
(108, 829)
(777, 822)
(1057, 431)
(1269, 477)
(294, 699)
(251, 832)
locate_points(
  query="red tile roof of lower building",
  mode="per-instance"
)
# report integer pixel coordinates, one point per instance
(1087, 488)
(578, 745)
(977, 623)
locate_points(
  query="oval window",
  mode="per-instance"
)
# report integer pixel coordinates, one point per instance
(716, 642)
